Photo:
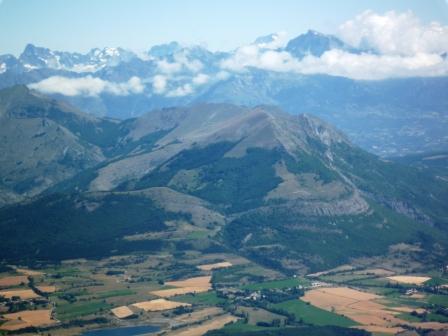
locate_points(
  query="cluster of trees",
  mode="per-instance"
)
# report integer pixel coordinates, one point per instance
(59, 227)
(295, 331)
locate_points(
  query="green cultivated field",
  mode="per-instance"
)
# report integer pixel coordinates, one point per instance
(207, 298)
(240, 326)
(197, 235)
(439, 300)
(313, 315)
(431, 317)
(70, 311)
(114, 293)
(437, 318)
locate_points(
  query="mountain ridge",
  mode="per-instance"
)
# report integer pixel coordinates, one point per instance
(316, 44)
(254, 172)
(408, 114)
(55, 141)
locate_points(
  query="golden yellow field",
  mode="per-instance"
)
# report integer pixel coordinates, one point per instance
(201, 329)
(407, 279)
(366, 309)
(122, 312)
(22, 293)
(28, 272)
(13, 281)
(202, 281)
(209, 267)
(359, 306)
(381, 330)
(166, 293)
(27, 318)
(191, 285)
(159, 305)
(47, 289)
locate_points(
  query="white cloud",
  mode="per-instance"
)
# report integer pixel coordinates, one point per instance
(180, 86)
(134, 85)
(168, 67)
(279, 40)
(253, 56)
(200, 79)
(395, 34)
(194, 65)
(181, 62)
(159, 84)
(368, 66)
(87, 86)
(181, 91)
(222, 75)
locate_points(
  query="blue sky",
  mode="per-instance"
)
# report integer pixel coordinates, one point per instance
(220, 25)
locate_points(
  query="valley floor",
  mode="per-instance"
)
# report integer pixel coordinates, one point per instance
(193, 294)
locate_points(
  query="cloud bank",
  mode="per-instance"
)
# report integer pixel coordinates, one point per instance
(87, 86)
(182, 86)
(373, 67)
(179, 76)
(395, 34)
(181, 62)
(402, 47)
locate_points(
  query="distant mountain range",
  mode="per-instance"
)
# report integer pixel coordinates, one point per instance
(35, 58)
(389, 117)
(289, 191)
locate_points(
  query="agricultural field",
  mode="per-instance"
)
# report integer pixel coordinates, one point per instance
(201, 329)
(23, 294)
(410, 280)
(244, 274)
(198, 315)
(439, 300)
(159, 305)
(208, 298)
(187, 286)
(67, 312)
(27, 318)
(260, 316)
(356, 305)
(210, 267)
(11, 281)
(84, 294)
(191, 293)
(122, 312)
(382, 301)
(311, 314)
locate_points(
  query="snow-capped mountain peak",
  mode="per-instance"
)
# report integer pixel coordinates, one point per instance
(315, 43)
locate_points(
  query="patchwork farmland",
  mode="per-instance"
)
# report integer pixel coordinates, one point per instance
(228, 296)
